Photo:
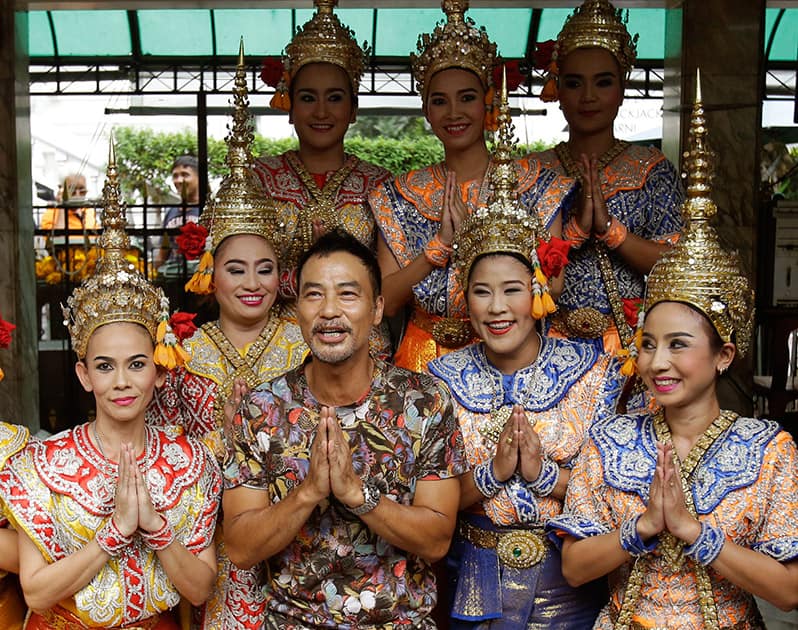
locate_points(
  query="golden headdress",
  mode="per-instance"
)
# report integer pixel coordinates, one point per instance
(697, 270)
(240, 205)
(456, 43)
(322, 39)
(503, 226)
(116, 292)
(595, 24)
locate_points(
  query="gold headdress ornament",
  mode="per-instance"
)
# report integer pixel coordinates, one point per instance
(240, 205)
(117, 292)
(595, 24)
(697, 270)
(503, 226)
(456, 43)
(322, 39)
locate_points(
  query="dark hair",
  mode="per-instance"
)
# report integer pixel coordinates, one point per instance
(186, 160)
(339, 240)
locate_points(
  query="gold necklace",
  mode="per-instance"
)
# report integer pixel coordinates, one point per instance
(572, 168)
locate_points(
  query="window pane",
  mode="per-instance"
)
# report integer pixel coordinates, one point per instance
(177, 32)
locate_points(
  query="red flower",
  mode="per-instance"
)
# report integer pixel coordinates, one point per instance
(631, 310)
(553, 256)
(5, 333)
(191, 240)
(543, 53)
(183, 325)
(271, 71)
(514, 75)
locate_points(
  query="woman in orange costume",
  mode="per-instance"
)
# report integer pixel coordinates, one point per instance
(419, 212)
(251, 340)
(13, 439)
(691, 510)
(628, 211)
(320, 187)
(115, 518)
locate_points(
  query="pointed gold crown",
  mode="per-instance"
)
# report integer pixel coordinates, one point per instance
(240, 205)
(697, 270)
(503, 225)
(323, 39)
(456, 43)
(598, 24)
(117, 292)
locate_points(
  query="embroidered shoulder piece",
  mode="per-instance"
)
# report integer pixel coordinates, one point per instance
(476, 384)
(627, 445)
(70, 465)
(577, 526)
(12, 438)
(734, 461)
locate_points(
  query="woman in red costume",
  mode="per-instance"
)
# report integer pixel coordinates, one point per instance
(115, 517)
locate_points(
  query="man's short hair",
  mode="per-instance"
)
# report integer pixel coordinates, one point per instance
(339, 240)
(186, 160)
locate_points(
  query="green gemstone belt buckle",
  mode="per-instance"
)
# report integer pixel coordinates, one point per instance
(521, 549)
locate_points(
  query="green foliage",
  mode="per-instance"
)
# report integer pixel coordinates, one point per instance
(145, 157)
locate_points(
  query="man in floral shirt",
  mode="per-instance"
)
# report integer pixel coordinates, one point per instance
(343, 472)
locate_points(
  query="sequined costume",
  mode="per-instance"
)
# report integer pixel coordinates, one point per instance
(408, 210)
(193, 397)
(641, 189)
(337, 198)
(13, 439)
(745, 482)
(336, 573)
(561, 391)
(60, 491)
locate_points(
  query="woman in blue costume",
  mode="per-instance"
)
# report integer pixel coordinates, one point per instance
(419, 212)
(628, 211)
(690, 509)
(524, 404)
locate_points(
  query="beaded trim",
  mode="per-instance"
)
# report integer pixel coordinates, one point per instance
(110, 539)
(161, 538)
(707, 546)
(547, 480)
(437, 252)
(485, 479)
(631, 540)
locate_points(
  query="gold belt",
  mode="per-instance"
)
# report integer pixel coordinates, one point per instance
(586, 322)
(517, 548)
(635, 625)
(60, 618)
(449, 332)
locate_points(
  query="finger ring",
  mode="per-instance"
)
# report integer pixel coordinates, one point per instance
(509, 440)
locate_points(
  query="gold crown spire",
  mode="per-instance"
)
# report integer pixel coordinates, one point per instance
(324, 39)
(240, 205)
(502, 226)
(456, 43)
(697, 270)
(117, 292)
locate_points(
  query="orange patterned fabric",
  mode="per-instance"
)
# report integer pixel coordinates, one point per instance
(408, 209)
(746, 484)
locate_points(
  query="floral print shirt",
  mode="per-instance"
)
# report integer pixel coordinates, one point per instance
(337, 573)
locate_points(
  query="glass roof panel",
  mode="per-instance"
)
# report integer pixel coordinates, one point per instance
(509, 28)
(91, 33)
(175, 33)
(398, 30)
(40, 40)
(265, 31)
(785, 43)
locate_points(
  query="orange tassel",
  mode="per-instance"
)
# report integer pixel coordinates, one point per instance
(549, 93)
(629, 366)
(537, 307)
(548, 303)
(161, 356)
(2, 374)
(161, 332)
(201, 282)
(541, 277)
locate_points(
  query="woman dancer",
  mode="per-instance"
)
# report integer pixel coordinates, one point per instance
(627, 213)
(524, 404)
(691, 509)
(251, 340)
(419, 212)
(13, 439)
(115, 518)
